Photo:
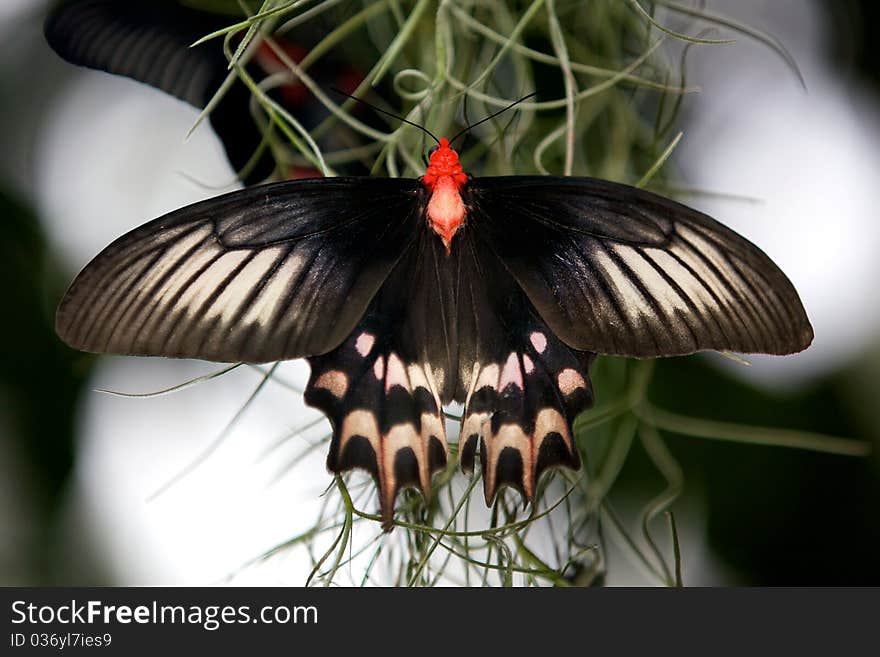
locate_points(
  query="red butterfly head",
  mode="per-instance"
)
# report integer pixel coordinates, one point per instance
(444, 163)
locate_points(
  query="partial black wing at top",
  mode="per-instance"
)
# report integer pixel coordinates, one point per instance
(617, 270)
(149, 41)
(265, 273)
(146, 41)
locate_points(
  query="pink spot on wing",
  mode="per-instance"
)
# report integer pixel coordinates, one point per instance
(528, 364)
(539, 341)
(379, 368)
(569, 381)
(334, 381)
(511, 373)
(365, 343)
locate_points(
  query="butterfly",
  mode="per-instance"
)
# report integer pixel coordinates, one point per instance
(406, 294)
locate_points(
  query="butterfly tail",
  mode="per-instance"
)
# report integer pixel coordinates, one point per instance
(385, 413)
(519, 412)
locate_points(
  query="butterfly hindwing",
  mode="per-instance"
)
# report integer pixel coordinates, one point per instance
(384, 409)
(449, 327)
(520, 409)
(265, 273)
(401, 364)
(524, 388)
(618, 270)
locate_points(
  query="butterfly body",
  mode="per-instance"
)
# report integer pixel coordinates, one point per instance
(444, 179)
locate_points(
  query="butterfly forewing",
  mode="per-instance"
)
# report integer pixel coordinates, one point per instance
(617, 270)
(266, 273)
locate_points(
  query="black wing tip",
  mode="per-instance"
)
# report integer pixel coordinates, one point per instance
(54, 31)
(55, 37)
(798, 340)
(807, 336)
(64, 325)
(795, 339)
(802, 340)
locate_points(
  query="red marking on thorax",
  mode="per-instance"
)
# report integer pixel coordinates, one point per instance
(444, 179)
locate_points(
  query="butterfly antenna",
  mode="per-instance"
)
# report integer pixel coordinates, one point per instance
(492, 116)
(467, 122)
(391, 114)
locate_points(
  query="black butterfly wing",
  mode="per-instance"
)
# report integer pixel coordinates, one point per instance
(618, 270)
(384, 387)
(265, 273)
(149, 41)
(382, 400)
